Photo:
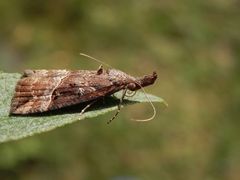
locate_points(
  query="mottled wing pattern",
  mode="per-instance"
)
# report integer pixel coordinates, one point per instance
(44, 90)
(33, 91)
(81, 86)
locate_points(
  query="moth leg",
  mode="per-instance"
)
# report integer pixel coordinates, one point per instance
(119, 106)
(87, 106)
(100, 70)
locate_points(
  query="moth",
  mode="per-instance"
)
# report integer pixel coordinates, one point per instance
(44, 90)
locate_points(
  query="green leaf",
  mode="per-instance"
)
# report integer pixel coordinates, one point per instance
(17, 127)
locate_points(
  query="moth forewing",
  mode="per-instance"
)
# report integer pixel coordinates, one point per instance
(44, 90)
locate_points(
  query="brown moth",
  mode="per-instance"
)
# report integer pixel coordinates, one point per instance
(44, 90)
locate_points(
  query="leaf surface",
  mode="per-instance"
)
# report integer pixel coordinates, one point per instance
(17, 127)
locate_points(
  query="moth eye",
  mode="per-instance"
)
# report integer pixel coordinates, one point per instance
(131, 86)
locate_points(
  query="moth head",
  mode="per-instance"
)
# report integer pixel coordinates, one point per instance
(130, 82)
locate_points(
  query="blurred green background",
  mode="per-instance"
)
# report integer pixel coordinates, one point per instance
(193, 45)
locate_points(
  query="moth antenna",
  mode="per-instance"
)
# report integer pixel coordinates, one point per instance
(153, 107)
(92, 58)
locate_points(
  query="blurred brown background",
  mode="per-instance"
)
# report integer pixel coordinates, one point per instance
(193, 45)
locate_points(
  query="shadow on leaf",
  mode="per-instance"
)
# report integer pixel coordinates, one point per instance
(102, 103)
